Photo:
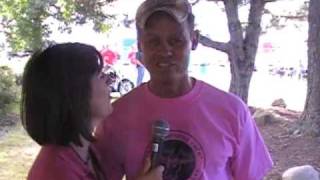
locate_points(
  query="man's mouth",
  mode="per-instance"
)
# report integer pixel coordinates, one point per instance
(164, 64)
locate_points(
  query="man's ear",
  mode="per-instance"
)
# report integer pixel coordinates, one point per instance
(194, 39)
(140, 54)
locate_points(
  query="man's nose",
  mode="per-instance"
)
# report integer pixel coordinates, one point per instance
(166, 49)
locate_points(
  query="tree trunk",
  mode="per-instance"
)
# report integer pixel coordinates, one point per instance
(243, 51)
(311, 114)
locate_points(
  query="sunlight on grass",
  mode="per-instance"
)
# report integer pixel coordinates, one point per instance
(17, 154)
(18, 151)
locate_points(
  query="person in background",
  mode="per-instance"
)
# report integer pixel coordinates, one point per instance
(135, 59)
(212, 136)
(109, 56)
(65, 95)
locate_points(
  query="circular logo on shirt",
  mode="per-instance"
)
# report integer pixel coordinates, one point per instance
(182, 157)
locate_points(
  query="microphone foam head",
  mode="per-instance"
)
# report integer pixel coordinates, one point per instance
(160, 128)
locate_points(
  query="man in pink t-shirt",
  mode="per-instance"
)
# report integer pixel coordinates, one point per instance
(212, 134)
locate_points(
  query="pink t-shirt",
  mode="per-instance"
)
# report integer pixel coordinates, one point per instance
(60, 163)
(212, 136)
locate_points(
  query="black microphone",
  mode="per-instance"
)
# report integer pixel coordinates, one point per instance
(160, 130)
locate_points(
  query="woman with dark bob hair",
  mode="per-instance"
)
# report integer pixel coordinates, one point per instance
(65, 95)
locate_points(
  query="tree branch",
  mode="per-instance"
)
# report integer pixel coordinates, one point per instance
(20, 54)
(253, 30)
(235, 30)
(224, 47)
(294, 17)
(195, 2)
(267, 1)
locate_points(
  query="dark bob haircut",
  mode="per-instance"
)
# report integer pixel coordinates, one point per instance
(56, 91)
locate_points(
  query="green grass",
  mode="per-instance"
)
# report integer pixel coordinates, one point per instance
(17, 153)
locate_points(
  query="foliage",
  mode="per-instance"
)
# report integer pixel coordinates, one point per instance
(9, 90)
(26, 23)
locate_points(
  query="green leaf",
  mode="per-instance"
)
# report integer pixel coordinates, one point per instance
(25, 26)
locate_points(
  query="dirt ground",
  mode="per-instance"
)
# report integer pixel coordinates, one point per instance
(287, 146)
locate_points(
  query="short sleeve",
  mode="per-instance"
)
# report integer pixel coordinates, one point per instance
(252, 159)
